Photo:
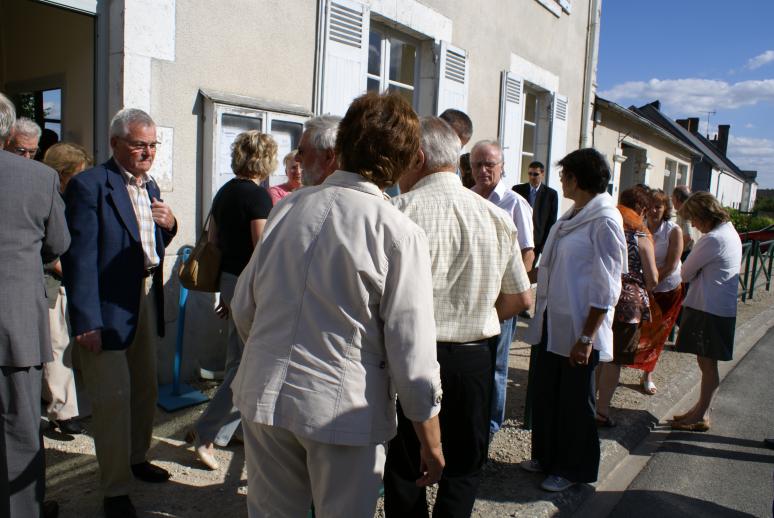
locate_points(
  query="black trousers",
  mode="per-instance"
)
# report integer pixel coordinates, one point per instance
(467, 379)
(564, 429)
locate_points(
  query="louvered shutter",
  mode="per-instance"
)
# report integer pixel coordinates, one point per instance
(558, 148)
(345, 66)
(511, 125)
(452, 78)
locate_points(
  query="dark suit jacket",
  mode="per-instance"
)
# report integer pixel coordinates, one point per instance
(32, 231)
(543, 212)
(103, 270)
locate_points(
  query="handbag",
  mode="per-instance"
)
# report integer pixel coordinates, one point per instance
(201, 272)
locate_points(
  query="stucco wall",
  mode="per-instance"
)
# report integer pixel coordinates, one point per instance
(43, 48)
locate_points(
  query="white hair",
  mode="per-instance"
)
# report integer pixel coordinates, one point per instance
(119, 126)
(26, 127)
(322, 131)
(481, 143)
(7, 118)
(440, 144)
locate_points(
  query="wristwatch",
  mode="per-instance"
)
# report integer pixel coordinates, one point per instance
(585, 340)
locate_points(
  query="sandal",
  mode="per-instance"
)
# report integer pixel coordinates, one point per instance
(604, 421)
(648, 387)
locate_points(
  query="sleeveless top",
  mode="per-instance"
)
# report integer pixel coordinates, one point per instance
(634, 305)
(660, 245)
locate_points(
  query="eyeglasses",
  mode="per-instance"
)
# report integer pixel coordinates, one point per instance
(137, 145)
(485, 165)
(25, 151)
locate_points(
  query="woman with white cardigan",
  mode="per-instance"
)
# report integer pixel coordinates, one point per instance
(709, 310)
(579, 282)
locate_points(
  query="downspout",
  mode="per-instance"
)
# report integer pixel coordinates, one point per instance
(319, 56)
(590, 69)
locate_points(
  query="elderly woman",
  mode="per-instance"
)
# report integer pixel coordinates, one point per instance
(633, 307)
(579, 282)
(709, 309)
(293, 172)
(239, 213)
(58, 380)
(668, 294)
(336, 308)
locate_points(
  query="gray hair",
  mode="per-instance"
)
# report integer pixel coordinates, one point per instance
(681, 193)
(119, 126)
(322, 131)
(439, 143)
(7, 118)
(481, 143)
(26, 127)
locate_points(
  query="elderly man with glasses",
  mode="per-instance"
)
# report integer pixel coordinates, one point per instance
(24, 138)
(486, 160)
(113, 274)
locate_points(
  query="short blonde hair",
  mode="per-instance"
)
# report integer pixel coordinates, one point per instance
(705, 207)
(67, 159)
(290, 157)
(253, 155)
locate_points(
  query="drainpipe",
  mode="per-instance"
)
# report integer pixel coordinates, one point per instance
(590, 69)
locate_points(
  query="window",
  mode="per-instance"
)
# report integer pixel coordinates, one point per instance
(42, 106)
(392, 62)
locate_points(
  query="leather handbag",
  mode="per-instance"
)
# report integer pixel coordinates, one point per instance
(201, 272)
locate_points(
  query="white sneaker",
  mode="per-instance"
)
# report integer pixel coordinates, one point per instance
(531, 465)
(556, 483)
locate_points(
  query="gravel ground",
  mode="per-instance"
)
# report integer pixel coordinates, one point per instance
(506, 490)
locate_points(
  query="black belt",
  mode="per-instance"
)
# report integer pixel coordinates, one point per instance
(471, 345)
(149, 271)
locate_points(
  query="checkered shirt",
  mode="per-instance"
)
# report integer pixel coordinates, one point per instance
(474, 251)
(138, 194)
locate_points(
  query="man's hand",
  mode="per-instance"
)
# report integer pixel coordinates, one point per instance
(222, 309)
(91, 340)
(580, 354)
(162, 214)
(431, 465)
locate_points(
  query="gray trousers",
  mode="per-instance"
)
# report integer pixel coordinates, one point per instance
(22, 465)
(221, 419)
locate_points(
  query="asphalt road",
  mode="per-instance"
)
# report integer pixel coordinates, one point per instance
(725, 472)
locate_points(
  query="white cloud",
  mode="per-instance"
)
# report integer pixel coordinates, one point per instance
(755, 154)
(749, 125)
(693, 96)
(760, 60)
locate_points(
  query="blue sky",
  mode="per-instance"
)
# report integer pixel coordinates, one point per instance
(697, 56)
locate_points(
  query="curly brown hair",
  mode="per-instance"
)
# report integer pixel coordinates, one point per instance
(253, 155)
(378, 138)
(637, 198)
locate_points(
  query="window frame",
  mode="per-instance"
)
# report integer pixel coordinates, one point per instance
(384, 77)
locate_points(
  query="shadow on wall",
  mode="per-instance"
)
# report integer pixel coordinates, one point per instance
(204, 337)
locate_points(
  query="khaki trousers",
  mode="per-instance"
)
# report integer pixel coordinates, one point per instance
(123, 390)
(286, 472)
(58, 378)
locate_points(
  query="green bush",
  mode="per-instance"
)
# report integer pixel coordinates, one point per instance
(745, 222)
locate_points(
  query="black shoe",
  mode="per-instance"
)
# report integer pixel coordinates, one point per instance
(769, 443)
(147, 472)
(119, 507)
(50, 509)
(525, 314)
(70, 426)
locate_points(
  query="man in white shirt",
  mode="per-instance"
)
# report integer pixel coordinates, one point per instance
(316, 152)
(486, 159)
(478, 280)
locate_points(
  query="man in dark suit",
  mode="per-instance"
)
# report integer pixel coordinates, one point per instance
(544, 202)
(33, 231)
(113, 274)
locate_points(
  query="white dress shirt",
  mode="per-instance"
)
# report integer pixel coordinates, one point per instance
(474, 254)
(518, 209)
(712, 269)
(336, 311)
(661, 247)
(580, 268)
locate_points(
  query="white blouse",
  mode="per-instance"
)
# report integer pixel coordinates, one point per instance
(661, 245)
(712, 268)
(581, 268)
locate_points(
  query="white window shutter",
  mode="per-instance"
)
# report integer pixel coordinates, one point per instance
(452, 77)
(559, 114)
(511, 125)
(345, 66)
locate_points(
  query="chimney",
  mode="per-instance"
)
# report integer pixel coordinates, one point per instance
(693, 124)
(656, 104)
(722, 140)
(683, 123)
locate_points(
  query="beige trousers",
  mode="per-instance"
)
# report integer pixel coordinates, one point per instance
(286, 472)
(58, 378)
(123, 389)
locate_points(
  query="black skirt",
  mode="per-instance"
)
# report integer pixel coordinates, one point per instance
(707, 335)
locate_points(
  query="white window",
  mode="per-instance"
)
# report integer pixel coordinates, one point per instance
(393, 62)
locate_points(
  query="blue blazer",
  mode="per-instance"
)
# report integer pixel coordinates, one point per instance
(104, 267)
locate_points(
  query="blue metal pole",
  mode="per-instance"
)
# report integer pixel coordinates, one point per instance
(180, 329)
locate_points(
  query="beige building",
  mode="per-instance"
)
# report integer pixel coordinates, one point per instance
(524, 70)
(639, 151)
